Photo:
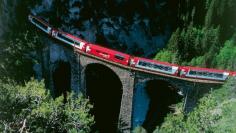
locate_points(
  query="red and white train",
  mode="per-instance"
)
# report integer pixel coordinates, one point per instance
(127, 60)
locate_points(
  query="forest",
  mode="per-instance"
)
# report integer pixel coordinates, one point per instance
(203, 33)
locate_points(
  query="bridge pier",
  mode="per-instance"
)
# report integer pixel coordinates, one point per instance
(125, 117)
(127, 78)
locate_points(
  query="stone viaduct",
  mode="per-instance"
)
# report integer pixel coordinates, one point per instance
(133, 102)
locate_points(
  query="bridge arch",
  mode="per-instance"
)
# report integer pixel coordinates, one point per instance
(104, 89)
(161, 94)
(61, 79)
(152, 98)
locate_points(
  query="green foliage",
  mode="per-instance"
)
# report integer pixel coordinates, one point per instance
(226, 59)
(15, 60)
(210, 12)
(17, 40)
(221, 12)
(30, 108)
(166, 56)
(227, 123)
(200, 44)
(15, 99)
(170, 53)
(174, 122)
(197, 61)
(215, 113)
(191, 44)
(216, 9)
(55, 116)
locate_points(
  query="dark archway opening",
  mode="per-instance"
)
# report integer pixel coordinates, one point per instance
(161, 95)
(62, 79)
(104, 90)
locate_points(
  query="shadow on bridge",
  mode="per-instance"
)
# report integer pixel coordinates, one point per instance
(104, 90)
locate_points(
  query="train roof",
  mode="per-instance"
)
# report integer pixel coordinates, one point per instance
(107, 49)
(204, 69)
(41, 20)
(70, 35)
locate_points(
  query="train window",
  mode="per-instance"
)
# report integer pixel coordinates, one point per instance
(145, 64)
(142, 63)
(77, 43)
(165, 68)
(120, 57)
(161, 67)
(65, 38)
(204, 73)
(155, 66)
(210, 74)
(39, 23)
(199, 73)
(192, 72)
(149, 64)
(218, 75)
(168, 68)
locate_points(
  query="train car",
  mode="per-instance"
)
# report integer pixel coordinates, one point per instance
(203, 73)
(69, 39)
(107, 54)
(233, 74)
(40, 24)
(154, 65)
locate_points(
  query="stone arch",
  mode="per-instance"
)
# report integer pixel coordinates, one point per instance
(104, 89)
(161, 94)
(61, 79)
(152, 96)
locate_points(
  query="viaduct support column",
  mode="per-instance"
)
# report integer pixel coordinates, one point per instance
(125, 117)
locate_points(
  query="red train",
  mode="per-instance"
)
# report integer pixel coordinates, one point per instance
(127, 60)
(108, 54)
